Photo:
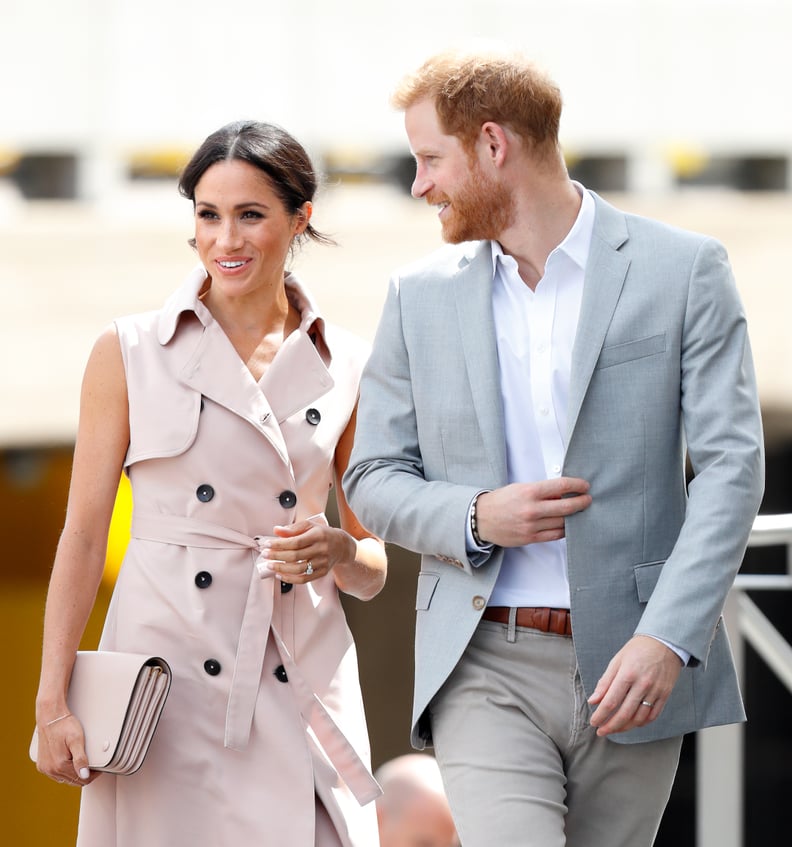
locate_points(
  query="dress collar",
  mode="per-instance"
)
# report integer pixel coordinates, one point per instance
(186, 298)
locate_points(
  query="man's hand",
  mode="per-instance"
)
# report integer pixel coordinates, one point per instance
(643, 672)
(529, 512)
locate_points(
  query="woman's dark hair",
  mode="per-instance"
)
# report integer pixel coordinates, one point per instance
(270, 149)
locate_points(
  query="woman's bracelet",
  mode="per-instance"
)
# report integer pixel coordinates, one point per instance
(55, 720)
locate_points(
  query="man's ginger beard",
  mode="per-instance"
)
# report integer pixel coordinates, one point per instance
(481, 208)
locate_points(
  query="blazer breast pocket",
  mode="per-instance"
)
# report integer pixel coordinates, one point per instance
(617, 354)
(427, 582)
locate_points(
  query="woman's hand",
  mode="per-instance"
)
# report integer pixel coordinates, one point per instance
(61, 751)
(308, 550)
(102, 441)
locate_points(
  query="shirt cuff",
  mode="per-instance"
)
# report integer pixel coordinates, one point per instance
(683, 654)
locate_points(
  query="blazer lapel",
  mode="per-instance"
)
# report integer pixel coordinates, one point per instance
(606, 270)
(473, 293)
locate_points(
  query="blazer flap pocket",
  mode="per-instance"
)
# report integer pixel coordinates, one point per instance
(630, 350)
(427, 582)
(646, 576)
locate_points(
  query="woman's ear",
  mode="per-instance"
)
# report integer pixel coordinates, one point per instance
(303, 217)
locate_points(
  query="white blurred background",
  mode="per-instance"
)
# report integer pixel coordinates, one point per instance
(678, 109)
(108, 76)
(674, 108)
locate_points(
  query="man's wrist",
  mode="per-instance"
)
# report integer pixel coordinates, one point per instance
(474, 531)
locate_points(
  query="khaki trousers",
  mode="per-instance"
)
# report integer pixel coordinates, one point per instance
(521, 764)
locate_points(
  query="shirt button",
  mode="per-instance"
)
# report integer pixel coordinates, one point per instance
(203, 579)
(544, 411)
(212, 667)
(479, 602)
(280, 674)
(556, 468)
(287, 499)
(313, 416)
(204, 493)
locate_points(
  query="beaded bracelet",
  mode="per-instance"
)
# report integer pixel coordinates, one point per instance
(474, 523)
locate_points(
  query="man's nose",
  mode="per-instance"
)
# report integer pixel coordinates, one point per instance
(421, 184)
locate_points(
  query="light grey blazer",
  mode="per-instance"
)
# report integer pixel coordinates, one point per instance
(661, 366)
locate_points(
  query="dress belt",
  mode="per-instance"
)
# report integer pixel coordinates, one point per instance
(253, 634)
(557, 621)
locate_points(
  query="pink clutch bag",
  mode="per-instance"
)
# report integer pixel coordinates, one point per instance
(118, 699)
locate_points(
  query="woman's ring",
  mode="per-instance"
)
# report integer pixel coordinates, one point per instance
(309, 569)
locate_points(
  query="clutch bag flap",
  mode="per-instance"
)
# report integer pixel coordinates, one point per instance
(118, 699)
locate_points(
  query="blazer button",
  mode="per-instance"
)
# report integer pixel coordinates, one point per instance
(212, 667)
(287, 499)
(313, 416)
(280, 674)
(479, 602)
(203, 579)
(286, 587)
(204, 493)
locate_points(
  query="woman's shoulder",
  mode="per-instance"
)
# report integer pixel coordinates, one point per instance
(137, 328)
(138, 321)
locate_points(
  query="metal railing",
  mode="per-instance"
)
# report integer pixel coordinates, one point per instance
(719, 751)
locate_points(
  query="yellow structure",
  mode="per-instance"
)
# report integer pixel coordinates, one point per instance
(33, 488)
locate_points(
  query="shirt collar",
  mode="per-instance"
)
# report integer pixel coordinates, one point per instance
(576, 242)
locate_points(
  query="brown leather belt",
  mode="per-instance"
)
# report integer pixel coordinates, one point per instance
(557, 621)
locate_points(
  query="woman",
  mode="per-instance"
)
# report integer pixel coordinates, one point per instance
(232, 411)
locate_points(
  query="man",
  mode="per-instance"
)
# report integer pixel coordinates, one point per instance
(413, 810)
(523, 424)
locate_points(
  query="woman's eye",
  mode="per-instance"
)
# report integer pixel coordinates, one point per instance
(206, 215)
(251, 215)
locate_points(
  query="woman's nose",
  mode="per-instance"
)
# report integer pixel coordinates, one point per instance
(230, 235)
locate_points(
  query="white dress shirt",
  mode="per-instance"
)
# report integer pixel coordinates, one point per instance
(535, 331)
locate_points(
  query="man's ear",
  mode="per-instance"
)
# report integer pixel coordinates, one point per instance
(494, 142)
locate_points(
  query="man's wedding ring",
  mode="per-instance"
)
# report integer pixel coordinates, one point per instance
(309, 569)
(647, 704)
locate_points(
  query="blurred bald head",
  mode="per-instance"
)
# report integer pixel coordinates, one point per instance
(413, 810)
